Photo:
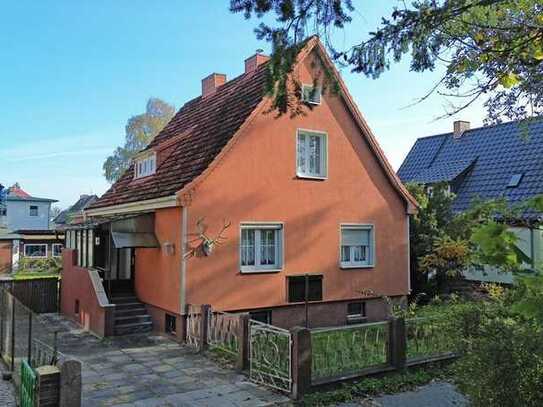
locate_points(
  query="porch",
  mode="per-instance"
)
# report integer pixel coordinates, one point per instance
(100, 271)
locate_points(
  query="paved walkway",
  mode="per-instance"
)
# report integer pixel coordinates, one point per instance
(439, 394)
(143, 370)
(7, 391)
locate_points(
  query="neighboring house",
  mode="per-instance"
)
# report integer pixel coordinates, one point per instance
(501, 161)
(291, 201)
(24, 229)
(74, 214)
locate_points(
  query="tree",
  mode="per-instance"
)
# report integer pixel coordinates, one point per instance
(139, 130)
(55, 211)
(489, 48)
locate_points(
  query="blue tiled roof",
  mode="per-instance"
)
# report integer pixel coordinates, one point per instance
(489, 157)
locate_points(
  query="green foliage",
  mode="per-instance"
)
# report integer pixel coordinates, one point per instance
(490, 48)
(140, 130)
(48, 265)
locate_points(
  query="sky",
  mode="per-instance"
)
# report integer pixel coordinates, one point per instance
(73, 72)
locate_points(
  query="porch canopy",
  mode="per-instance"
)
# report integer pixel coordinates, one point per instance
(134, 232)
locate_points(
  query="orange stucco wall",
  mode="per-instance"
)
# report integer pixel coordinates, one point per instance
(157, 272)
(256, 181)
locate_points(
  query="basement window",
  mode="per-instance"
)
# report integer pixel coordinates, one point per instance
(356, 312)
(170, 324)
(261, 316)
(515, 180)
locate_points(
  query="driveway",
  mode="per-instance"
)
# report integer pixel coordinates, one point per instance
(146, 370)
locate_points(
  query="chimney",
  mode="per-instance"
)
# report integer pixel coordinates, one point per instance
(459, 127)
(211, 83)
(254, 61)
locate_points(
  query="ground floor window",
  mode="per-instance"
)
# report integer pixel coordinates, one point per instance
(264, 316)
(261, 247)
(170, 324)
(35, 250)
(299, 285)
(57, 249)
(357, 246)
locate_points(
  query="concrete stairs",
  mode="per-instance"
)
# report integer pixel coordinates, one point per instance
(131, 316)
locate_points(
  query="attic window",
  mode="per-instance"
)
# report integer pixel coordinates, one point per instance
(145, 166)
(311, 94)
(515, 180)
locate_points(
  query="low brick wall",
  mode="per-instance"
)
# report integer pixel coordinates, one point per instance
(5, 257)
(83, 298)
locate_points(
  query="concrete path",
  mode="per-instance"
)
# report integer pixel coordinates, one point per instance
(143, 370)
(439, 394)
(7, 391)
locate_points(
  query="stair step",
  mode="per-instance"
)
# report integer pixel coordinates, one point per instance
(128, 305)
(127, 312)
(122, 300)
(133, 328)
(129, 319)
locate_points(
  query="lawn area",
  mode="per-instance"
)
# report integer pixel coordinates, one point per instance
(34, 276)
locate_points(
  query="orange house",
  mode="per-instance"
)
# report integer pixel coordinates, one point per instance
(233, 206)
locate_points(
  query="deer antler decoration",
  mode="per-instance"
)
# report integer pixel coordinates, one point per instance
(205, 244)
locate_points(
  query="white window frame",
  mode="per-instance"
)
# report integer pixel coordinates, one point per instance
(311, 87)
(35, 244)
(53, 249)
(371, 252)
(30, 211)
(279, 247)
(323, 173)
(145, 166)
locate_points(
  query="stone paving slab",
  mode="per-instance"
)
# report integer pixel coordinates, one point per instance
(7, 390)
(146, 370)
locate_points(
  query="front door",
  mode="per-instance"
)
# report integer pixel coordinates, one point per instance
(122, 276)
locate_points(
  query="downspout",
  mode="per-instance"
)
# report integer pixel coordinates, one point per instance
(408, 254)
(183, 276)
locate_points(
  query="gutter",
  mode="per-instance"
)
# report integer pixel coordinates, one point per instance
(132, 207)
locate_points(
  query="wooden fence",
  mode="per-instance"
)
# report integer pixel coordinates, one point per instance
(41, 295)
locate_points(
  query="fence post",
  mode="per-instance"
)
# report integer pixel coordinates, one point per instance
(184, 323)
(29, 337)
(397, 343)
(243, 338)
(12, 351)
(301, 361)
(204, 321)
(70, 383)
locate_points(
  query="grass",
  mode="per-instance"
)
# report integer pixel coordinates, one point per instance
(372, 386)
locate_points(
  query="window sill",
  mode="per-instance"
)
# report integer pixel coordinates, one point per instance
(357, 266)
(264, 271)
(312, 177)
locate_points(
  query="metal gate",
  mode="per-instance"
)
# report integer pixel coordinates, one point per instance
(270, 354)
(28, 385)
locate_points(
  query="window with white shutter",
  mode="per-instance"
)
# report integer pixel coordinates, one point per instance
(357, 246)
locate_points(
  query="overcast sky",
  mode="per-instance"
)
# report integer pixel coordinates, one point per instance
(72, 73)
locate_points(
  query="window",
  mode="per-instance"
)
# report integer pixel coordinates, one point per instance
(357, 246)
(57, 250)
(311, 94)
(145, 166)
(261, 247)
(262, 316)
(311, 154)
(356, 312)
(3, 210)
(33, 210)
(515, 180)
(297, 288)
(170, 324)
(36, 250)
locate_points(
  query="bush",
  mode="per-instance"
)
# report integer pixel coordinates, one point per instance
(503, 365)
(49, 265)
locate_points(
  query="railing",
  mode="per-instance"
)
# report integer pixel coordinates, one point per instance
(270, 350)
(194, 326)
(224, 331)
(349, 349)
(428, 338)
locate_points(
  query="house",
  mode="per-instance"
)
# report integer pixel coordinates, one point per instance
(235, 207)
(25, 229)
(500, 161)
(74, 214)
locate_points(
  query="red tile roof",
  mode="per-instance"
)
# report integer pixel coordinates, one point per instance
(16, 190)
(201, 129)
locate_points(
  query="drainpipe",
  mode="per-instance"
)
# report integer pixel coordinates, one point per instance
(408, 255)
(183, 276)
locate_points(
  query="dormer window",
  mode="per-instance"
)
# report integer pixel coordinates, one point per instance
(311, 94)
(145, 166)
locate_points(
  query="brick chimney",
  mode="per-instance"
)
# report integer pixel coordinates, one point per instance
(212, 82)
(459, 127)
(254, 61)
